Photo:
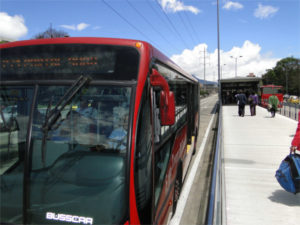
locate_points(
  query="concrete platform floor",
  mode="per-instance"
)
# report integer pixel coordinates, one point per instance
(254, 147)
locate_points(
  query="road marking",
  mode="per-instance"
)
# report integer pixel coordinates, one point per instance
(189, 180)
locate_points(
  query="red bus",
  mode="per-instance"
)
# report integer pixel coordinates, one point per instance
(93, 131)
(268, 90)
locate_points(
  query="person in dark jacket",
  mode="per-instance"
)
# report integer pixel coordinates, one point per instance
(241, 101)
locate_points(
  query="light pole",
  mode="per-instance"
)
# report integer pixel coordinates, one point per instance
(204, 71)
(218, 34)
(236, 63)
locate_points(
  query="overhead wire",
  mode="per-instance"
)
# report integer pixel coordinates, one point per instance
(128, 22)
(195, 34)
(150, 24)
(172, 25)
(161, 18)
(185, 26)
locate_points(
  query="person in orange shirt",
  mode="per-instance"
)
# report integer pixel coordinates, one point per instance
(296, 141)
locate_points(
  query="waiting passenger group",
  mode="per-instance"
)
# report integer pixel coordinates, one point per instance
(242, 101)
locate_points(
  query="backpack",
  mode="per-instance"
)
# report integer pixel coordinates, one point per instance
(288, 174)
(250, 100)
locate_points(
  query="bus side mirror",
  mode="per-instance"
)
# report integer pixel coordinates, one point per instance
(167, 99)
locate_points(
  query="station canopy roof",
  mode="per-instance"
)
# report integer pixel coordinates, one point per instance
(240, 79)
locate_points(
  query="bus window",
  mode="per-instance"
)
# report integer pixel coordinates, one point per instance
(156, 116)
(162, 157)
(15, 108)
(270, 90)
(178, 85)
(89, 121)
(79, 161)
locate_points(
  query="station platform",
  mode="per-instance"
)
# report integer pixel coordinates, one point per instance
(254, 147)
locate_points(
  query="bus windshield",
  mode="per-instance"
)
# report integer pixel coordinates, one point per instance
(77, 167)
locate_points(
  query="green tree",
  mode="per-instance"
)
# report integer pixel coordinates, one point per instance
(285, 73)
(51, 33)
(270, 77)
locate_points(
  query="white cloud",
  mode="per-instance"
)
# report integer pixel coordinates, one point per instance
(78, 27)
(176, 6)
(82, 26)
(96, 27)
(70, 27)
(192, 60)
(265, 11)
(12, 27)
(232, 5)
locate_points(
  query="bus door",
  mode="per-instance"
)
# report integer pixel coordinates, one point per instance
(190, 110)
(163, 110)
(144, 159)
(151, 155)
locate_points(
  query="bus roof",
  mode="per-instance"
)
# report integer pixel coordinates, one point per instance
(109, 41)
(70, 40)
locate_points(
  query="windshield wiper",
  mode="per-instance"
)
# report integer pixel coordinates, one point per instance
(52, 115)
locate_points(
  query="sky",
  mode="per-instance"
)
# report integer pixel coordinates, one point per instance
(254, 35)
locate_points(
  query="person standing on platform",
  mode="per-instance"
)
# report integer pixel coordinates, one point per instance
(273, 104)
(295, 146)
(241, 101)
(253, 101)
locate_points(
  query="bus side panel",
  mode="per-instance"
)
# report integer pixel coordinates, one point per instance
(178, 153)
(265, 99)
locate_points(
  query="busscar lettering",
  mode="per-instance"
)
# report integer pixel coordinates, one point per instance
(69, 218)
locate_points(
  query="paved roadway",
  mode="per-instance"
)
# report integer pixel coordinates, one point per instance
(253, 150)
(192, 205)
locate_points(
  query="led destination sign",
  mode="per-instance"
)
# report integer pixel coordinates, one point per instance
(62, 61)
(48, 62)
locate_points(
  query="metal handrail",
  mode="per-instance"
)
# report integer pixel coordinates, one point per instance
(290, 110)
(217, 210)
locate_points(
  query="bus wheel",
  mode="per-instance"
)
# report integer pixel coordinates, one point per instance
(177, 190)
